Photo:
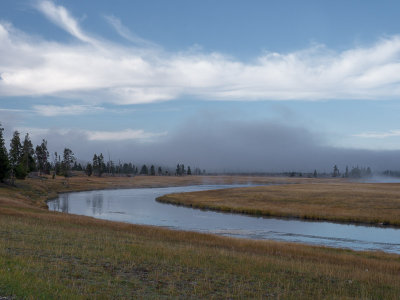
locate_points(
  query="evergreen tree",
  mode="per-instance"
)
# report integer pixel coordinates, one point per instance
(95, 164)
(4, 162)
(28, 155)
(159, 171)
(15, 154)
(335, 171)
(101, 164)
(89, 169)
(152, 171)
(68, 160)
(346, 174)
(183, 171)
(144, 170)
(57, 164)
(125, 168)
(189, 172)
(42, 156)
(355, 172)
(178, 170)
(315, 174)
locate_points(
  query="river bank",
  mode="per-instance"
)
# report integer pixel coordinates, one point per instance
(47, 255)
(138, 206)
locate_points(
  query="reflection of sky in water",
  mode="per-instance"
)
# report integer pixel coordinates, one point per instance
(139, 206)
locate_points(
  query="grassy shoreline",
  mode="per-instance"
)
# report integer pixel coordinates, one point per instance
(343, 202)
(48, 255)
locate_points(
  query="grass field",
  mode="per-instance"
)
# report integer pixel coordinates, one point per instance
(49, 255)
(333, 201)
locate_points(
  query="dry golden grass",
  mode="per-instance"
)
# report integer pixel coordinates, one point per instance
(49, 255)
(37, 190)
(336, 201)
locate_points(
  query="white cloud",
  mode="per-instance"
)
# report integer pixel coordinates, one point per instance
(127, 34)
(379, 135)
(123, 135)
(53, 110)
(13, 110)
(61, 17)
(93, 135)
(104, 71)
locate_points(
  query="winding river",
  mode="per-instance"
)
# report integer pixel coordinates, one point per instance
(138, 206)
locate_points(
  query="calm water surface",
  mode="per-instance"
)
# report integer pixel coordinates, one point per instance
(138, 206)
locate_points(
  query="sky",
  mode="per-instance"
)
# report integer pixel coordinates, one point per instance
(223, 85)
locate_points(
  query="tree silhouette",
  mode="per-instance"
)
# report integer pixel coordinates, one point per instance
(4, 162)
(42, 156)
(144, 170)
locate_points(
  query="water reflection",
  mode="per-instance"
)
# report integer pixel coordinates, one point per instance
(61, 203)
(95, 203)
(138, 206)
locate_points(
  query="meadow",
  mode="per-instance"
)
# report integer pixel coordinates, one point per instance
(48, 255)
(338, 201)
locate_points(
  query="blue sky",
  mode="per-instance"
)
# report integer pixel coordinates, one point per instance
(142, 70)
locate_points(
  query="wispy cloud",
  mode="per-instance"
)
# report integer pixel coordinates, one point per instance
(128, 134)
(53, 110)
(61, 17)
(13, 110)
(128, 34)
(379, 135)
(123, 135)
(108, 72)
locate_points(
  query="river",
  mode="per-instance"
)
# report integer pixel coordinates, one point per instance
(138, 206)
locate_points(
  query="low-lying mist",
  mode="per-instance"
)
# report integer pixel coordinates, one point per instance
(229, 146)
(381, 179)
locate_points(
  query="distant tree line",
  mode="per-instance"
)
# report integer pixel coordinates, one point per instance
(355, 172)
(23, 158)
(391, 173)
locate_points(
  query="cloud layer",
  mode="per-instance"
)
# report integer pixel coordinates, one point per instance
(379, 135)
(100, 71)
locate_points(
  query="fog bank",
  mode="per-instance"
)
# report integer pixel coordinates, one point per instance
(230, 146)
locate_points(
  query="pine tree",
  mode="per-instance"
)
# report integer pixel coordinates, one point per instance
(89, 169)
(183, 171)
(152, 171)
(335, 171)
(15, 154)
(144, 170)
(101, 164)
(189, 172)
(42, 156)
(57, 164)
(27, 154)
(159, 171)
(4, 162)
(68, 160)
(95, 164)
